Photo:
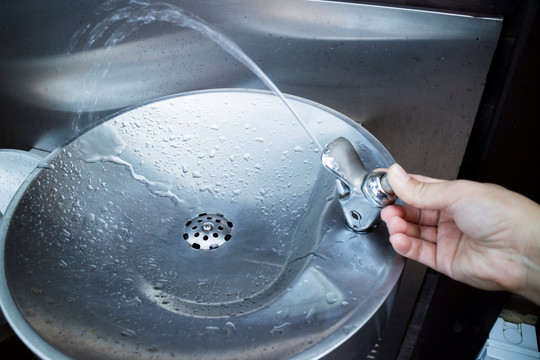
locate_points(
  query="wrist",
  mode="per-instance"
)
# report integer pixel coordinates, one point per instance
(530, 284)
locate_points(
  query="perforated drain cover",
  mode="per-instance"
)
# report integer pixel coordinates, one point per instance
(208, 231)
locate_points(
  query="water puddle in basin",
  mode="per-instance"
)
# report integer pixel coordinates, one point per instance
(128, 19)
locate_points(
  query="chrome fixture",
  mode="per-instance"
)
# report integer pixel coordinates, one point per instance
(361, 193)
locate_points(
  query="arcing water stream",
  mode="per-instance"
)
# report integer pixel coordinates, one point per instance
(129, 18)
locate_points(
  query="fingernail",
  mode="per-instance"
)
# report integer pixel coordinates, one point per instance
(400, 173)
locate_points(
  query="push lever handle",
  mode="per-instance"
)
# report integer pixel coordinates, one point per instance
(361, 193)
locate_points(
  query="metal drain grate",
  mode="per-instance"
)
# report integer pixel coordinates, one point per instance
(208, 231)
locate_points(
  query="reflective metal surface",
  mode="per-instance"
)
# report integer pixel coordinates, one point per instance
(96, 264)
(361, 193)
(413, 78)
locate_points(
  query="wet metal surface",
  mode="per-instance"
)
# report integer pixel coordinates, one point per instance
(97, 266)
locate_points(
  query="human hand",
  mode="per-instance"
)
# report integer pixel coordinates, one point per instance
(480, 234)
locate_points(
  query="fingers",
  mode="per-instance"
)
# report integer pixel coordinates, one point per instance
(411, 214)
(407, 221)
(415, 249)
(414, 228)
(416, 242)
(419, 191)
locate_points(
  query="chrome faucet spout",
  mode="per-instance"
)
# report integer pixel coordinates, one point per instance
(341, 158)
(361, 193)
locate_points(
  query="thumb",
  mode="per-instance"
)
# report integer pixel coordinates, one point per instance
(418, 191)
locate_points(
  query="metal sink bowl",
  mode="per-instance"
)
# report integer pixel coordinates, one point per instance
(196, 226)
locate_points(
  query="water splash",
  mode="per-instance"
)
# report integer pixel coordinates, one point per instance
(104, 143)
(129, 18)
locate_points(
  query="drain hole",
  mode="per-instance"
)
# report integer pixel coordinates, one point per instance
(207, 226)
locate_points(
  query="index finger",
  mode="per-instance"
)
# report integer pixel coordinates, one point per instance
(413, 215)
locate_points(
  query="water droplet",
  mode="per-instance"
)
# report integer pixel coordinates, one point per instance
(298, 149)
(35, 290)
(211, 330)
(159, 286)
(280, 329)
(128, 333)
(347, 329)
(230, 329)
(309, 316)
(331, 297)
(134, 302)
(46, 166)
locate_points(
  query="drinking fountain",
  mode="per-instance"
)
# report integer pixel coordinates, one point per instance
(179, 209)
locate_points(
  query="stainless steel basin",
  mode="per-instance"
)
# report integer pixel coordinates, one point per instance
(102, 260)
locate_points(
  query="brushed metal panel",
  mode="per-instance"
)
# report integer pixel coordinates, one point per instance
(413, 78)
